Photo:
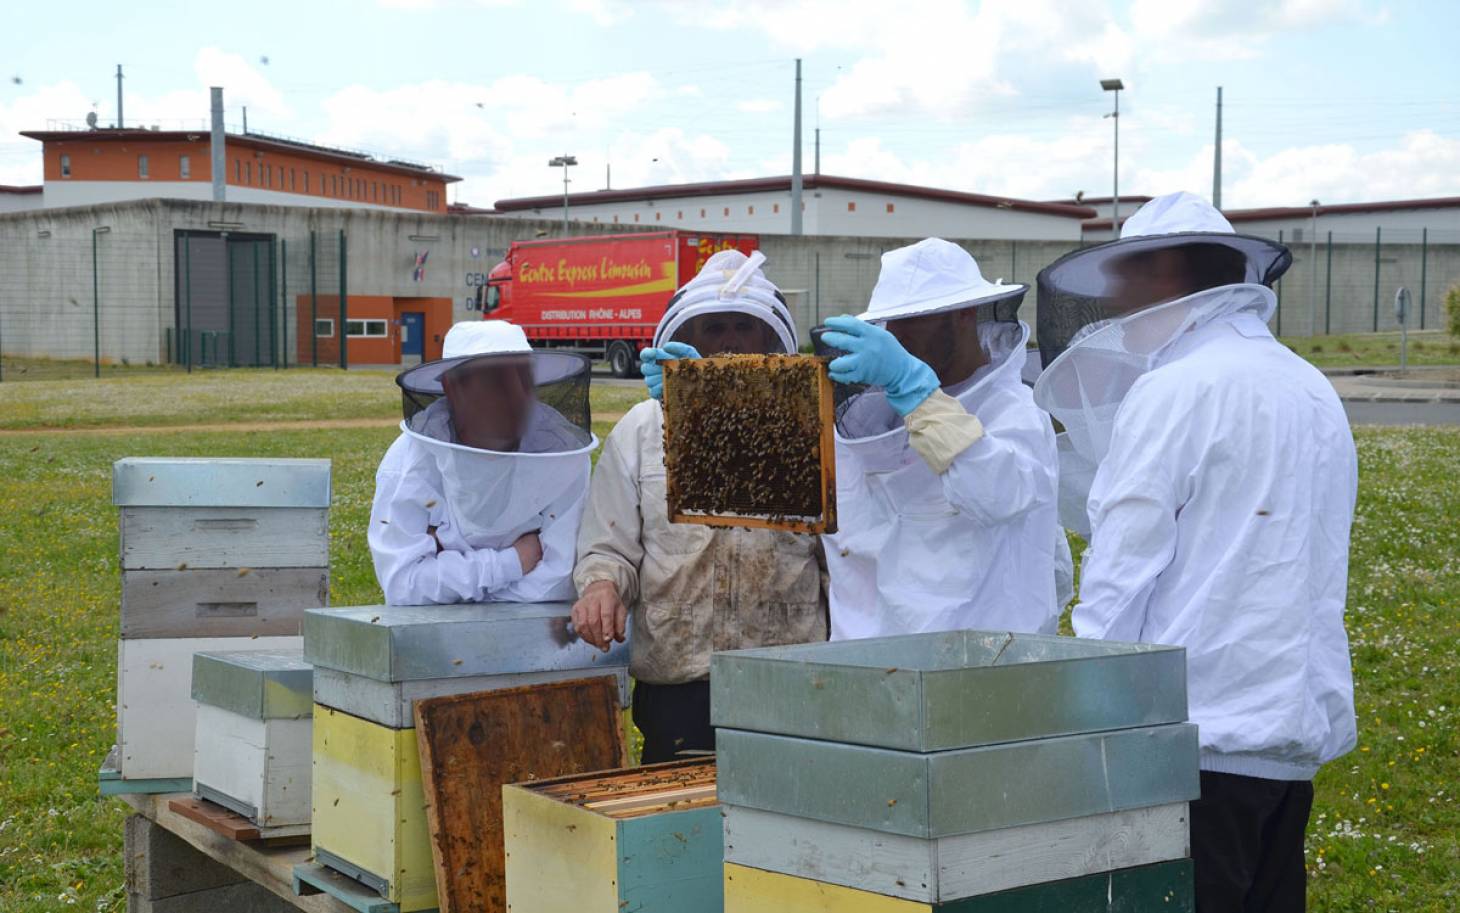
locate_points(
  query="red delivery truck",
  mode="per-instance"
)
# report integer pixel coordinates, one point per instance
(600, 295)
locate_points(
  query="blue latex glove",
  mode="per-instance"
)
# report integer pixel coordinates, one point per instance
(875, 357)
(653, 371)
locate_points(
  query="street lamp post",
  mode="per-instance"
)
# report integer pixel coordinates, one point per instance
(1115, 85)
(564, 161)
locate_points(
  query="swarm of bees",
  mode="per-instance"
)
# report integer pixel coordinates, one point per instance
(747, 442)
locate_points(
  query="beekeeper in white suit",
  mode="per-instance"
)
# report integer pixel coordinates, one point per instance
(1220, 506)
(688, 590)
(479, 498)
(946, 470)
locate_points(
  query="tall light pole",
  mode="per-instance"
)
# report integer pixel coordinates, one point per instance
(564, 162)
(796, 159)
(1313, 255)
(1115, 85)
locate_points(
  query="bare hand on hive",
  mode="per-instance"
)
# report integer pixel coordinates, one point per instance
(599, 614)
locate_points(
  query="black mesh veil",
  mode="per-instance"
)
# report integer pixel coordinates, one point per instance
(539, 400)
(1079, 290)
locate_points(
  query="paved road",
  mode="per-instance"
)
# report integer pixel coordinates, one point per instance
(1365, 412)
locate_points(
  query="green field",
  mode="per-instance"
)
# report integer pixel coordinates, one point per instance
(1367, 350)
(1386, 826)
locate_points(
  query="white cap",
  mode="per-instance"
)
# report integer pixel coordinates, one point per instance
(484, 337)
(929, 277)
(472, 339)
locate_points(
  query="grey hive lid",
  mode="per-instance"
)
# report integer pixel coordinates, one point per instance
(260, 684)
(946, 690)
(407, 643)
(220, 482)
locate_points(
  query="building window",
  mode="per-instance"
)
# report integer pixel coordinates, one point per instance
(890, 207)
(248, 172)
(65, 166)
(636, 217)
(702, 213)
(368, 329)
(184, 167)
(324, 328)
(306, 182)
(851, 205)
(238, 171)
(142, 166)
(775, 208)
(658, 216)
(615, 220)
(750, 210)
(433, 199)
(293, 175)
(727, 210)
(269, 176)
(679, 215)
(334, 185)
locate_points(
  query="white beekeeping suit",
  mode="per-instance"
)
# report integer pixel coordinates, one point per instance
(1222, 479)
(495, 446)
(946, 513)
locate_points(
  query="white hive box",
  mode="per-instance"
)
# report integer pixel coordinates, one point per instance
(253, 735)
(216, 555)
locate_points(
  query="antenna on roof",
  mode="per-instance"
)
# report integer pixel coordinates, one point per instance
(91, 119)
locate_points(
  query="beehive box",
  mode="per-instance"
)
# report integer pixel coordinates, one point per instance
(413, 643)
(221, 547)
(749, 441)
(647, 839)
(959, 791)
(156, 714)
(252, 752)
(369, 817)
(953, 689)
(943, 869)
(369, 812)
(1164, 887)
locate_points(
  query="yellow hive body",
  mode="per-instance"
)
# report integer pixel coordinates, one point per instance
(369, 808)
(750, 890)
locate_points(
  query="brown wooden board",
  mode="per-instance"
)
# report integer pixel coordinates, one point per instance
(230, 824)
(473, 744)
(749, 441)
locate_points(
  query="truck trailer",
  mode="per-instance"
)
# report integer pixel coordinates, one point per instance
(601, 295)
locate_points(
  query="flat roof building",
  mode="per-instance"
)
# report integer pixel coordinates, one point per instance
(831, 206)
(86, 167)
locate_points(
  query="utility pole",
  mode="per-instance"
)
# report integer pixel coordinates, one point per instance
(119, 96)
(1115, 85)
(796, 159)
(1217, 163)
(245, 120)
(817, 168)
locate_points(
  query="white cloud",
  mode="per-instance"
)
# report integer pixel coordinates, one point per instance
(603, 12)
(242, 82)
(758, 105)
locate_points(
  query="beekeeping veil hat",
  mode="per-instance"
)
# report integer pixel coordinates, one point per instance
(1108, 314)
(933, 277)
(730, 283)
(507, 428)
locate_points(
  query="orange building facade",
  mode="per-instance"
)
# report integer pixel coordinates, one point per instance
(107, 165)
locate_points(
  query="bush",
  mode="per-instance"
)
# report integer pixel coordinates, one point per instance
(1452, 311)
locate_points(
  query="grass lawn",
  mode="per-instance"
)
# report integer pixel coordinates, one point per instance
(1386, 825)
(234, 395)
(1364, 350)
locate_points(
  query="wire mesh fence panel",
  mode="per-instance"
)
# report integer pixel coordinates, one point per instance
(83, 306)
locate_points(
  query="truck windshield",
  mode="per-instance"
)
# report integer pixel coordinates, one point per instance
(494, 297)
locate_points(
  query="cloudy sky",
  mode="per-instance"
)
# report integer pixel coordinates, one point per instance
(1340, 100)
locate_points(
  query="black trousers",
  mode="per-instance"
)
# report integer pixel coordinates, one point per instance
(1247, 844)
(673, 718)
